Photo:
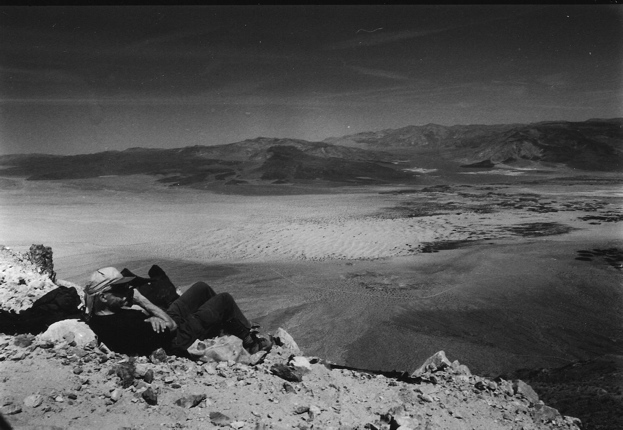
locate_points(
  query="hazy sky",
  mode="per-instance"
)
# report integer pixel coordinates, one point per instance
(88, 79)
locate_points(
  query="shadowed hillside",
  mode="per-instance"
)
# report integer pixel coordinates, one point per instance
(289, 163)
(258, 159)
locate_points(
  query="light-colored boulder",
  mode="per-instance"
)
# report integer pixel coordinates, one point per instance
(220, 349)
(460, 369)
(524, 390)
(301, 364)
(545, 414)
(33, 400)
(73, 329)
(283, 339)
(435, 362)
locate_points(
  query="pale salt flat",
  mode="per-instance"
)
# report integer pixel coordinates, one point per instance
(91, 227)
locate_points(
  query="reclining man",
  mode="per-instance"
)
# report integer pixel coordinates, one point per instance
(196, 314)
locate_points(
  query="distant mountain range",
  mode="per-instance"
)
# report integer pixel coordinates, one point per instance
(596, 144)
(386, 156)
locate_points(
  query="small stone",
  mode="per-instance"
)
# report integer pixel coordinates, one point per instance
(313, 412)
(140, 370)
(227, 383)
(33, 400)
(46, 344)
(150, 396)
(284, 372)
(125, 372)
(237, 424)
(19, 356)
(301, 364)
(427, 389)
(141, 385)
(115, 395)
(190, 401)
(464, 379)
(406, 422)
(11, 409)
(301, 409)
(288, 388)
(23, 340)
(219, 419)
(425, 398)
(80, 353)
(78, 370)
(148, 377)
(158, 356)
(210, 368)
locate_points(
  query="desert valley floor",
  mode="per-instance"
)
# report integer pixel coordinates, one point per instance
(503, 275)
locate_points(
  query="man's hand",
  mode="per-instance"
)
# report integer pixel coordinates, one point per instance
(165, 321)
(158, 324)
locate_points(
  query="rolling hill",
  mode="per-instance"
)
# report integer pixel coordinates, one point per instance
(261, 159)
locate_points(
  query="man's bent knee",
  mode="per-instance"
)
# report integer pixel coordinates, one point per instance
(225, 297)
(204, 288)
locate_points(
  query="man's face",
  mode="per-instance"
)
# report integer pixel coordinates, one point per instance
(118, 297)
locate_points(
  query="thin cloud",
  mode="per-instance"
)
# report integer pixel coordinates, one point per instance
(166, 39)
(381, 38)
(380, 73)
(554, 80)
(562, 107)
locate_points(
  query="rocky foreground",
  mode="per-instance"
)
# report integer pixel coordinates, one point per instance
(70, 384)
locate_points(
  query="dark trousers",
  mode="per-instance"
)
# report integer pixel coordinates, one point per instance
(201, 313)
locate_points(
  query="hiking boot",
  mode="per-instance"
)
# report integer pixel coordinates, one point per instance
(257, 344)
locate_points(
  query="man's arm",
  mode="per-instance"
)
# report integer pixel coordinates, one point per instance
(155, 312)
